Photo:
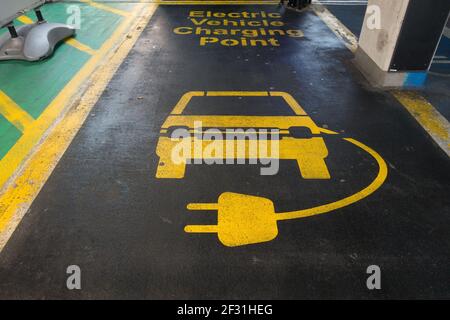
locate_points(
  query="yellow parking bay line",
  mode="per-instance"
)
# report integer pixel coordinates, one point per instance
(71, 41)
(105, 8)
(425, 114)
(14, 114)
(25, 20)
(428, 117)
(19, 193)
(80, 46)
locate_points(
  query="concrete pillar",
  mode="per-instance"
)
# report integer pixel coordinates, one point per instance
(399, 39)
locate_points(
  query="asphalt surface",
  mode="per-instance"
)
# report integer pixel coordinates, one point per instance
(104, 210)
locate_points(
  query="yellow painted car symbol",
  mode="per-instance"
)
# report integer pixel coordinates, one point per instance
(310, 153)
(246, 219)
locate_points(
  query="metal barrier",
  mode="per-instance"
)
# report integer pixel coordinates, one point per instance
(31, 42)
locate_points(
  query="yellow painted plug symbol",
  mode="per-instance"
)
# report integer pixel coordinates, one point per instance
(241, 219)
(244, 219)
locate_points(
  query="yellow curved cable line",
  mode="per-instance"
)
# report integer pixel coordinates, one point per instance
(379, 180)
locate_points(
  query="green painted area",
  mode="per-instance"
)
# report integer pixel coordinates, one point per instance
(120, 4)
(8, 136)
(96, 25)
(33, 85)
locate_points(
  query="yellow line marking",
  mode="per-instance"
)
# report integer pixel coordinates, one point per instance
(237, 94)
(14, 114)
(427, 116)
(280, 122)
(164, 131)
(290, 101)
(105, 8)
(25, 20)
(80, 46)
(203, 206)
(20, 193)
(374, 186)
(71, 41)
(423, 111)
(181, 105)
(201, 229)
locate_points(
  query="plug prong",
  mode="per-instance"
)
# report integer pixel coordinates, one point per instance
(203, 206)
(201, 229)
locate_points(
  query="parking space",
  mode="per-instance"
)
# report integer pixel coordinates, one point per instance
(358, 182)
